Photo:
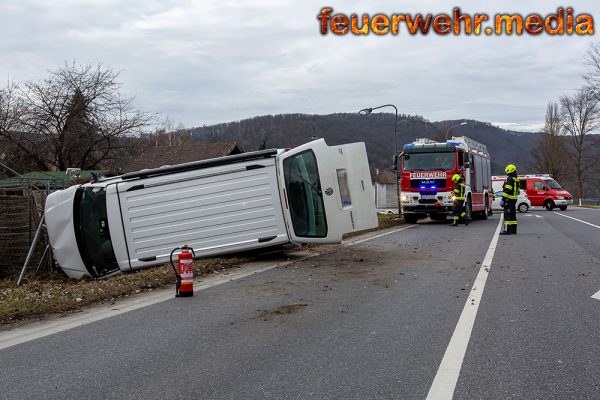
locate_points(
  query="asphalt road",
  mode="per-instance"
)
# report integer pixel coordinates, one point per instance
(371, 320)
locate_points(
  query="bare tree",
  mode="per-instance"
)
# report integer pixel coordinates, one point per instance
(166, 133)
(593, 76)
(76, 117)
(579, 114)
(550, 154)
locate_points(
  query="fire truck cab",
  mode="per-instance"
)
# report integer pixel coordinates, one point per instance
(426, 168)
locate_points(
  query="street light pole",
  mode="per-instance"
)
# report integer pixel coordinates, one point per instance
(367, 111)
(454, 126)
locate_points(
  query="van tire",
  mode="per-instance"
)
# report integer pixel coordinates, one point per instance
(549, 205)
(523, 208)
(563, 208)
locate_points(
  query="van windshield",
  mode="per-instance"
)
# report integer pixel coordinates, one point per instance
(429, 161)
(304, 195)
(553, 184)
(92, 233)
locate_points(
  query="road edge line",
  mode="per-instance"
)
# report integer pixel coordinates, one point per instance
(351, 243)
(44, 328)
(445, 380)
(576, 219)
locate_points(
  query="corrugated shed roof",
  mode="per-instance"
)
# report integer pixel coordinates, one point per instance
(171, 155)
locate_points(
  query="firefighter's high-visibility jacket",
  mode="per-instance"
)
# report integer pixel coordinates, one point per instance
(459, 191)
(510, 189)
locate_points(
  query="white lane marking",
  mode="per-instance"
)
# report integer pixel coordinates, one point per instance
(538, 216)
(597, 295)
(351, 243)
(576, 219)
(38, 330)
(445, 380)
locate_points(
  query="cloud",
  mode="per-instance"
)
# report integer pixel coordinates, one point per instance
(211, 61)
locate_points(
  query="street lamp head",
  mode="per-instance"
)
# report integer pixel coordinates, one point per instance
(366, 111)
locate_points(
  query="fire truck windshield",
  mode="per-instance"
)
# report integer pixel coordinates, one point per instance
(429, 161)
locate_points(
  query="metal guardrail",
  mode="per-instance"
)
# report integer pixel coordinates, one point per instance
(589, 201)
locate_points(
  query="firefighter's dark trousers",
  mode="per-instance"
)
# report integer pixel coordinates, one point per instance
(510, 216)
(458, 211)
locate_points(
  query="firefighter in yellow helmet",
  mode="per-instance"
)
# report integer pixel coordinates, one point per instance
(510, 194)
(458, 198)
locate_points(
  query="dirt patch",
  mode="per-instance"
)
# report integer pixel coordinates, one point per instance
(282, 310)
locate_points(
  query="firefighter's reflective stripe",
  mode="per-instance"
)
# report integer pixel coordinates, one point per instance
(510, 222)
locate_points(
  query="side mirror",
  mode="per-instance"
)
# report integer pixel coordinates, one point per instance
(395, 161)
(467, 165)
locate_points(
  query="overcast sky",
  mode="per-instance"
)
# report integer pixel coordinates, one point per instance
(209, 61)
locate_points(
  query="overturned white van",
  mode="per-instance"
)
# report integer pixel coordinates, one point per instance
(313, 193)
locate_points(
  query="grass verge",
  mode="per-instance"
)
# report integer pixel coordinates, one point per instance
(56, 294)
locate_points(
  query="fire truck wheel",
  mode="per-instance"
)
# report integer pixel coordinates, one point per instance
(410, 219)
(523, 207)
(469, 209)
(485, 213)
(563, 208)
(438, 217)
(548, 205)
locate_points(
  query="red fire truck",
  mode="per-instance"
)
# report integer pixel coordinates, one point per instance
(426, 178)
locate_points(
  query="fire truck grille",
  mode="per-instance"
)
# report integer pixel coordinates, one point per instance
(427, 183)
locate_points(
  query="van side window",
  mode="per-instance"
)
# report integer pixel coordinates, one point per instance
(538, 185)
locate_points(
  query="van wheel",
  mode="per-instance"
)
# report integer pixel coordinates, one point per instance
(523, 207)
(410, 219)
(563, 208)
(549, 205)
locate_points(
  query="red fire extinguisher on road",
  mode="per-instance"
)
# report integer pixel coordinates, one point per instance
(184, 286)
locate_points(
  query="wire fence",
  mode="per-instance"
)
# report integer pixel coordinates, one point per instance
(21, 209)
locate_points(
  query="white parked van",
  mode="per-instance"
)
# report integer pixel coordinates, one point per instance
(313, 193)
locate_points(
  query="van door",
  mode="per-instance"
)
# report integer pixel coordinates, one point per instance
(327, 191)
(538, 192)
